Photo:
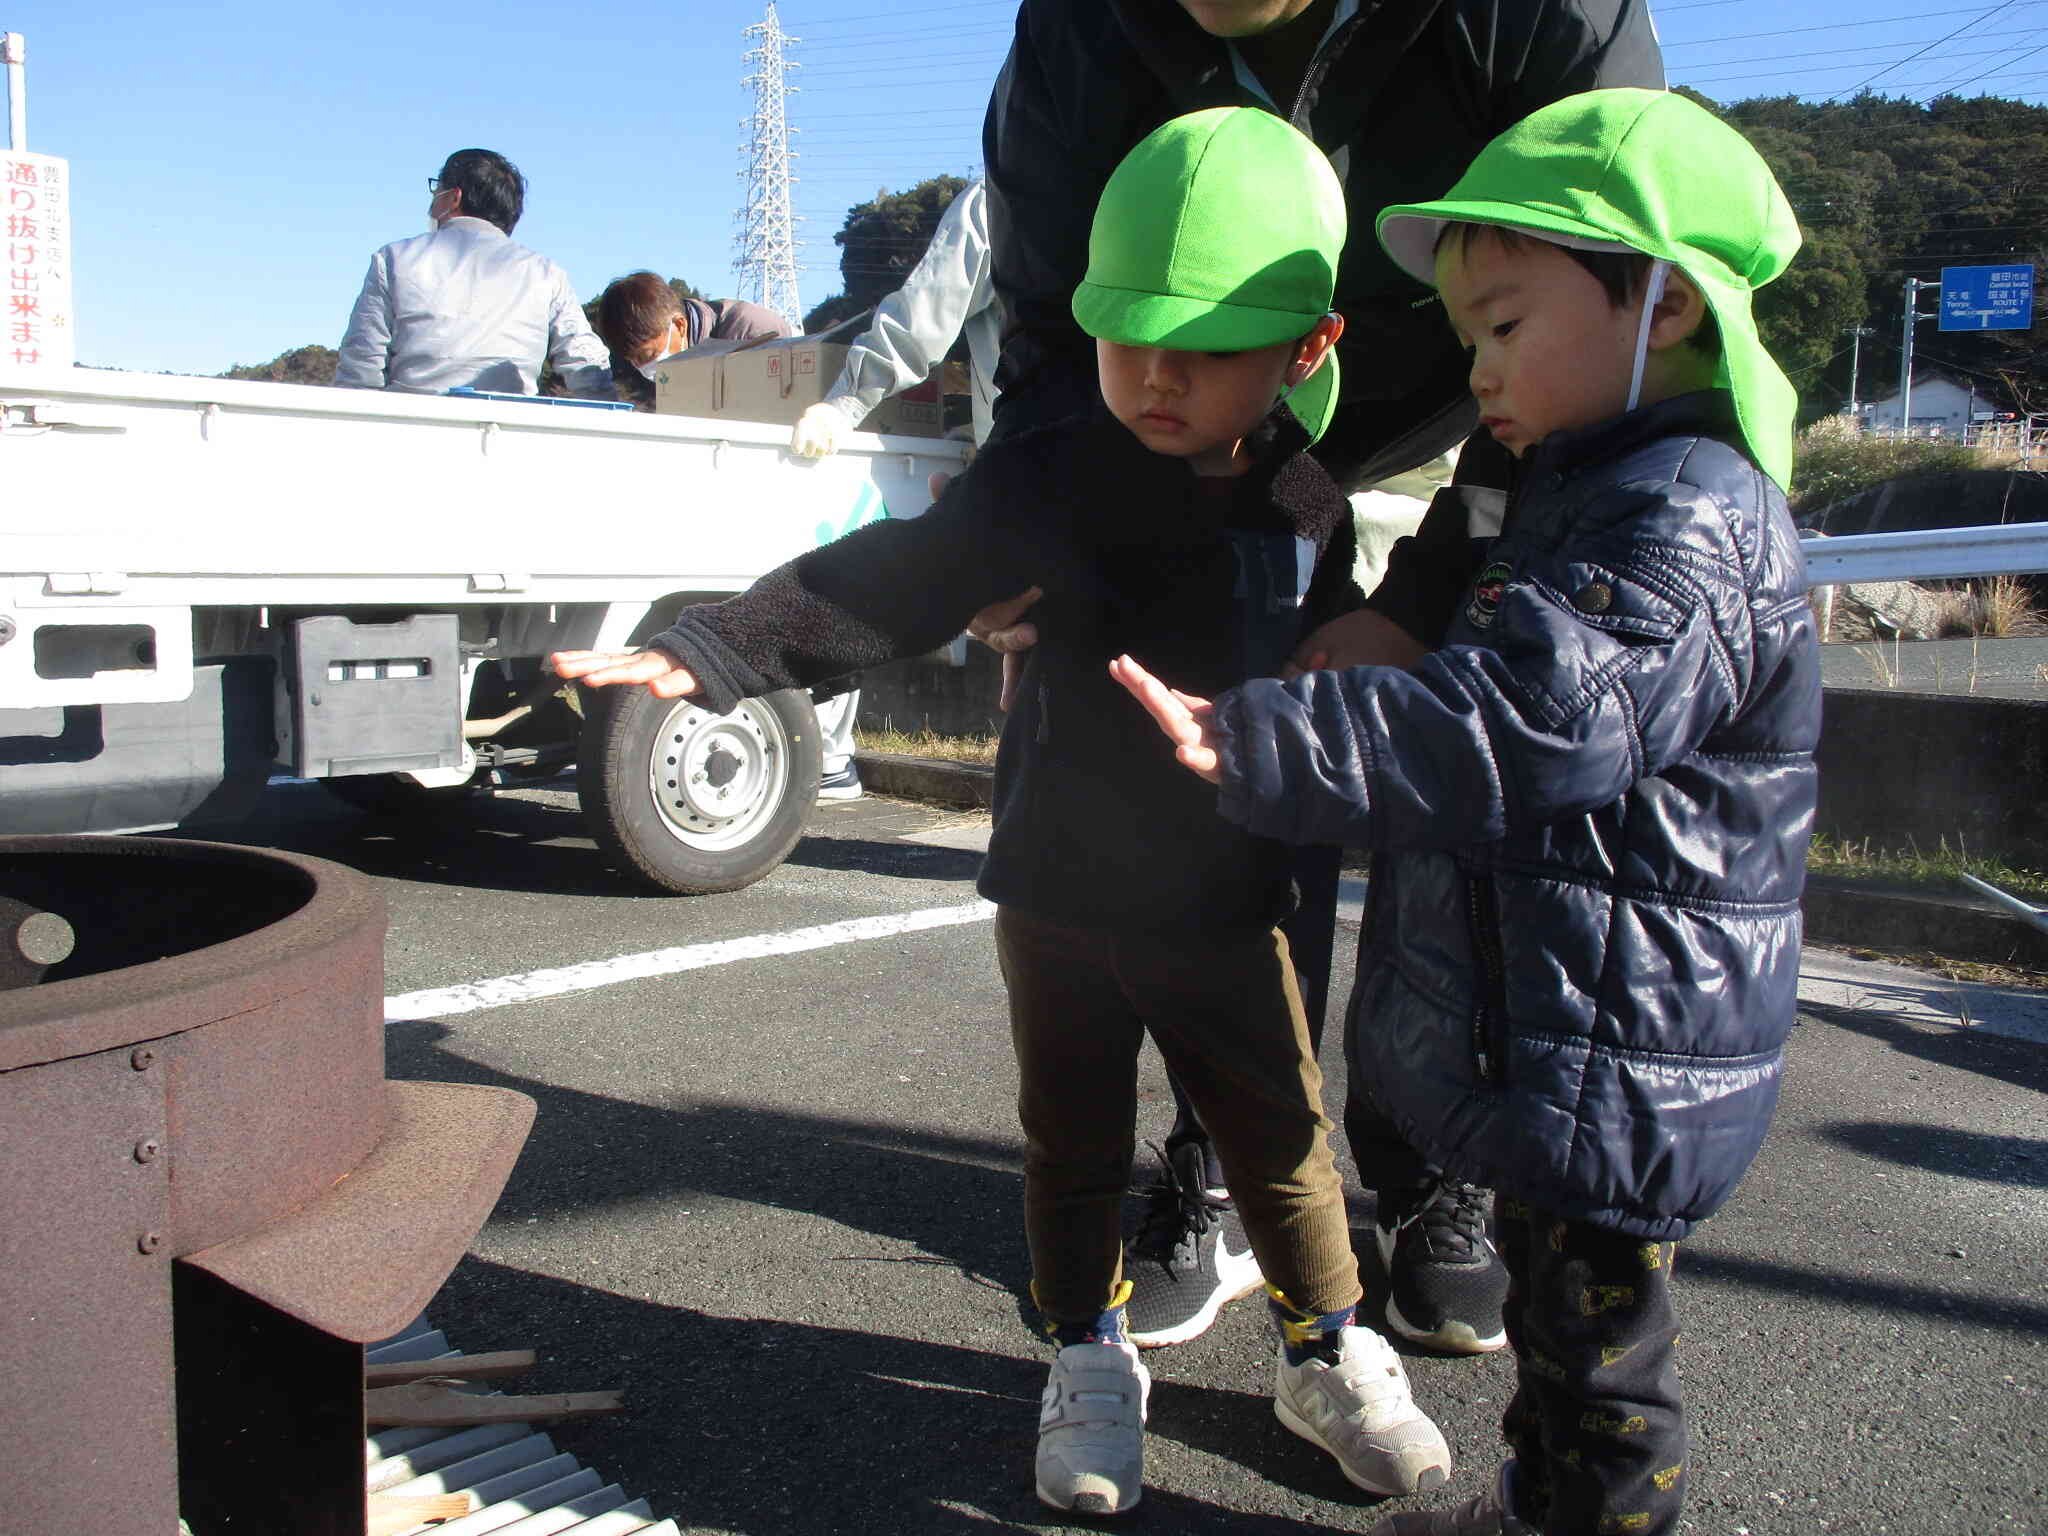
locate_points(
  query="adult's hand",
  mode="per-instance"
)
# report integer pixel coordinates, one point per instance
(999, 628)
(1360, 638)
(661, 673)
(817, 432)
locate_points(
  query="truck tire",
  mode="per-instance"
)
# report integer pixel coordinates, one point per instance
(693, 802)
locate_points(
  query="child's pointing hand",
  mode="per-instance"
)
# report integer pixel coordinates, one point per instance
(1183, 717)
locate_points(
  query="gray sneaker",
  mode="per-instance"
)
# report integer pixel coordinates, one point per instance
(1358, 1408)
(1091, 1429)
(1486, 1515)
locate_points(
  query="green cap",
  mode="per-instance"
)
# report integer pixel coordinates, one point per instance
(1643, 171)
(1219, 232)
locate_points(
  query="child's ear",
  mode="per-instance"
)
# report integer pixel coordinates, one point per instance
(1314, 347)
(1679, 311)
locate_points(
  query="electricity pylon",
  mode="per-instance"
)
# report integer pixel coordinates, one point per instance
(766, 263)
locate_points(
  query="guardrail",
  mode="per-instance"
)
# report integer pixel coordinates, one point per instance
(1925, 554)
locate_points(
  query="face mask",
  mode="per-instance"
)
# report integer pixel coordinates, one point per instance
(647, 368)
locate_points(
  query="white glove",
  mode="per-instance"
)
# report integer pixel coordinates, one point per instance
(818, 431)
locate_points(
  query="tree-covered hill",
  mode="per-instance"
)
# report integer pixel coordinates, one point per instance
(880, 242)
(1887, 188)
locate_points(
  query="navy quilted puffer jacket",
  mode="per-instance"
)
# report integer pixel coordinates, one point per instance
(1591, 809)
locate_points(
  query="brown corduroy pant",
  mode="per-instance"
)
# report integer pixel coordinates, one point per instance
(1227, 1017)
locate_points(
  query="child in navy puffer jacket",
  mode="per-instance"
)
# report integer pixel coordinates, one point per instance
(1590, 808)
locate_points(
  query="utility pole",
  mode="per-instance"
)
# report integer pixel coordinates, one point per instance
(14, 53)
(1912, 317)
(767, 237)
(1856, 333)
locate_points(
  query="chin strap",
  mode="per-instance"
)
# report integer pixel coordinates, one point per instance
(1653, 290)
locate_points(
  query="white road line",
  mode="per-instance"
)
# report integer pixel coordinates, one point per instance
(440, 1002)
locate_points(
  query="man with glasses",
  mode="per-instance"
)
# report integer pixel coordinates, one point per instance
(464, 304)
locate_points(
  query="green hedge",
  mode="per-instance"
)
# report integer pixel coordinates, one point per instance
(1834, 462)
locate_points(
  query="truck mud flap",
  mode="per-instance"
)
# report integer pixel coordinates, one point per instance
(126, 767)
(374, 698)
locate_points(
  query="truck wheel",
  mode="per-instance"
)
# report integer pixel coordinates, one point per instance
(694, 802)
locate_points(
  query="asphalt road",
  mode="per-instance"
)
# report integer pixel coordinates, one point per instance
(775, 1200)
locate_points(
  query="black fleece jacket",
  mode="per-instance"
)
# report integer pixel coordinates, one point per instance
(1400, 98)
(1206, 582)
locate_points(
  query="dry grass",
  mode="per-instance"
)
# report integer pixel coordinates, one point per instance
(1861, 860)
(2005, 606)
(1947, 966)
(980, 750)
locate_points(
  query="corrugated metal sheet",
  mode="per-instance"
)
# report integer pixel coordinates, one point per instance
(520, 1484)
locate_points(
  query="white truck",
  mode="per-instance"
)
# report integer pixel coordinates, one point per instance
(204, 583)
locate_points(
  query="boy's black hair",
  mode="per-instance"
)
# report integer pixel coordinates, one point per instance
(492, 188)
(1621, 274)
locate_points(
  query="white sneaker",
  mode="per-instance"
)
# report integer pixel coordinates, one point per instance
(1358, 1408)
(1091, 1429)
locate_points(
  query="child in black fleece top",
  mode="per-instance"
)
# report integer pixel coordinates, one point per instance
(1184, 522)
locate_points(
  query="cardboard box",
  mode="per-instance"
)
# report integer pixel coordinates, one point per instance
(775, 380)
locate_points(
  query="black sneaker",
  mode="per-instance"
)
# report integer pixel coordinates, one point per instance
(1189, 1259)
(1446, 1283)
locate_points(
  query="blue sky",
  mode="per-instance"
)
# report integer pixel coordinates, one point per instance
(234, 163)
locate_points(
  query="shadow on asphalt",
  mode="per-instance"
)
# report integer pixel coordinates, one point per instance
(1846, 1292)
(909, 860)
(486, 842)
(2023, 1063)
(500, 843)
(770, 1426)
(587, 1151)
(2018, 1161)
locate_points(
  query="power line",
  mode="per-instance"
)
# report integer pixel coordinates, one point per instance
(2003, 5)
(1975, 78)
(1779, 58)
(897, 16)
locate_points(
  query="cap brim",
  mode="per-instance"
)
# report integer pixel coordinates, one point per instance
(1410, 232)
(1314, 399)
(1191, 325)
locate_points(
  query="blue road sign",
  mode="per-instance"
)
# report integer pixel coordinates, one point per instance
(1987, 298)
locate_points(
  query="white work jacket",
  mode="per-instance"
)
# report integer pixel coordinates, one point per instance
(947, 292)
(468, 305)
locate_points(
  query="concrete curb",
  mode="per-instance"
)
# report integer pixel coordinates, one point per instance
(928, 778)
(1961, 927)
(1838, 912)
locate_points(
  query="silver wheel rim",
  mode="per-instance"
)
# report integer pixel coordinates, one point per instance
(717, 779)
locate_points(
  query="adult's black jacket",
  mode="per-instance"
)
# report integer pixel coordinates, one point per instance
(1400, 98)
(1207, 582)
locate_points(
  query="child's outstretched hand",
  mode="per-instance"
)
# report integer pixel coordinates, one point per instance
(1183, 717)
(665, 677)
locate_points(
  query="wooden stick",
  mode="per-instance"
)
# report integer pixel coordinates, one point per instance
(427, 1404)
(392, 1513)
(505, 1362)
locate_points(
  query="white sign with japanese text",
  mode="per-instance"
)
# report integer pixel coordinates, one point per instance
(35, 201)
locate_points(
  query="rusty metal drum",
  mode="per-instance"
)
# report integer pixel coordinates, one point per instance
(199, 1082)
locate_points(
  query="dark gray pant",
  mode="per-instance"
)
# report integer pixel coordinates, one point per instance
(1596, 1423)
